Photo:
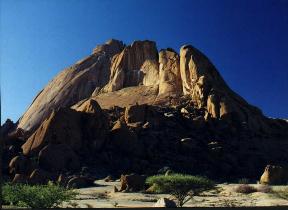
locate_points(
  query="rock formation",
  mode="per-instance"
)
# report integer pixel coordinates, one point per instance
(274, 175)
(72, 85)
(132, 109)
(169, 73)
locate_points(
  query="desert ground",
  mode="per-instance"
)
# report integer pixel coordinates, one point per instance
(103, 196)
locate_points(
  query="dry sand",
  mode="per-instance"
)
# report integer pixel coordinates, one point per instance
(102, 196)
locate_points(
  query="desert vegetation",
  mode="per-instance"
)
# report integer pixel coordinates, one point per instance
(182, 187)
(36, 196)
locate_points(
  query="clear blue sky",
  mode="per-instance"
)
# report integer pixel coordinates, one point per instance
(246, 40)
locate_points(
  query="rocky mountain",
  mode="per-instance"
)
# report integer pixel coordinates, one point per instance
(132, 108)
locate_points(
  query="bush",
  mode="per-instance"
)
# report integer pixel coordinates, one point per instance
(245, 189)
(37, 196)
(180, 186)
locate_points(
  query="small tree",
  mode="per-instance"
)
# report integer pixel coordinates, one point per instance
(37, 196)
(180, 186)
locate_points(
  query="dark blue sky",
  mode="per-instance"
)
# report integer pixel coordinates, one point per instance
(246, 40)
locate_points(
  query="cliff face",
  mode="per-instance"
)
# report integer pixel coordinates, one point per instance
(164, 75)
(72, 84)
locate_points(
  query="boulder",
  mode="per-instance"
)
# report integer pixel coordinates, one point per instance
(7, 127)
(108, 179)
(58, 157)
(115, 189)
(165, 203)
(80, 182)
(136, 113)
(132, 183)
(19, 165)
(121, 136)
(83, 132)
(20, 179)
(89, 106)
(151, 189)
(274, 175)
(40, 176)
(62, 180)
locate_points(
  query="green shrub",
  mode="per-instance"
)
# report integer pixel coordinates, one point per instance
(180, 186)
(37, 196)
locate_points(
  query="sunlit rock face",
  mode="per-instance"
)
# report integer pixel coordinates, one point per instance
(135, 65)
(138, 73)
(72, 84)
(169, 73)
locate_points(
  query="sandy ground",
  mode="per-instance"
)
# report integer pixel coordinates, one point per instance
(102, 196)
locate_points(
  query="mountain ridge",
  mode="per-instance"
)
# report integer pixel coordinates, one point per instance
(114, 65)
(132, 108)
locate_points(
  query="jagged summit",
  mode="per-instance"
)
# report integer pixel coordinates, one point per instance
(164, 74)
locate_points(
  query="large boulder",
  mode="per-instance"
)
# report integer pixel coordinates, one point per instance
(19, 165)
(132, 182)
(89, 106)
(20, 179)
(121, 137)
(82, 132)
(80, 182)
(136, 113)
(7, 127)
(274, 175)
(58, 157)
(165, 203)
(62, 180)
(40, 176)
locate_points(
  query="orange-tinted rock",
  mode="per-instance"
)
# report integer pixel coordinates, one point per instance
(72, 85)
(169, 73)
(132, 183)
(274, 175)
(66, 127)
(126, 69)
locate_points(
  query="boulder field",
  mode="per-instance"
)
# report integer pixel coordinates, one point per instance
(134, 109)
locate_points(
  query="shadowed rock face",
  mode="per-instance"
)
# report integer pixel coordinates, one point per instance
(134, 109)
